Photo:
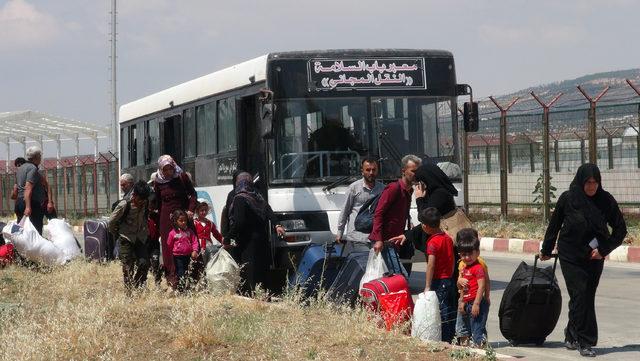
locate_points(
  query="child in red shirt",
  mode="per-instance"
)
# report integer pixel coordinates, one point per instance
(473, 308)
(440, 261)
(204, 229)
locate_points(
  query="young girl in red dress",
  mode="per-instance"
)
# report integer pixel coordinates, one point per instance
(204, 229)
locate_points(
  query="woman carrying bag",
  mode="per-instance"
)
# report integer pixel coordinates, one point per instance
(579, 222)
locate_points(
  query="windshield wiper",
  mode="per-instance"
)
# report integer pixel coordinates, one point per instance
(337, 183)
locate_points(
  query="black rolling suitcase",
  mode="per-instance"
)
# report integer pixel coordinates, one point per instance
(531, 304)
(347, 283)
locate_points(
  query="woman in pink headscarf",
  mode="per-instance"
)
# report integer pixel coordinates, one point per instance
(173, 190)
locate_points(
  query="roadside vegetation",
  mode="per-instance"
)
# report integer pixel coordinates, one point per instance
(79, 312)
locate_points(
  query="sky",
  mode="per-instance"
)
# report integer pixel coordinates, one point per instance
(55, 54)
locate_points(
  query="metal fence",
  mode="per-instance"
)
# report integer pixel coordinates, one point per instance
(80, 186)
(605, 134)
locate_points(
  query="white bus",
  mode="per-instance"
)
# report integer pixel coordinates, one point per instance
(301, 121)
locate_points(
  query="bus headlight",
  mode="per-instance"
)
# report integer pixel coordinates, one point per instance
(294, 225)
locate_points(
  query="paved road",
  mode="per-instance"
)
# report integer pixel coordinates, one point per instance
(617, 307)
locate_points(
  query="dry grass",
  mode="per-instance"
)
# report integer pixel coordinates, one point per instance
(80, 312)
(531, 227)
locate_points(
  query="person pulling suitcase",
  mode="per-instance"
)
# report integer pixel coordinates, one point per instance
(580, 224)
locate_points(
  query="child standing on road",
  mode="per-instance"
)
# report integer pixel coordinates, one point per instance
(473, 306)
(440, 262)
(204, 229)
(183, 243)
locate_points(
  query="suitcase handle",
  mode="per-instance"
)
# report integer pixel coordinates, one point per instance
(329, 246)
(533, 274)
(397, 259)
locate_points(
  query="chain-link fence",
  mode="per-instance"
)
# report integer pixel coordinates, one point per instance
(616, 151)
(80, 187)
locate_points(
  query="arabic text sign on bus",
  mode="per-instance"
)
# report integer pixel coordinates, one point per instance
(380, 73)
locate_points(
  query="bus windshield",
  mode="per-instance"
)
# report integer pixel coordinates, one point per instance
(323, 139)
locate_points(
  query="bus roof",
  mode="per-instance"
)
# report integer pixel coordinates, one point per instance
(229, 78)
(237, 76)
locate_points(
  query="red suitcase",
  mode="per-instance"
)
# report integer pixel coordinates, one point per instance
(6, 254)
(390, 297)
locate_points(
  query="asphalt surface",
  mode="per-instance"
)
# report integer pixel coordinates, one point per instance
(617, 308)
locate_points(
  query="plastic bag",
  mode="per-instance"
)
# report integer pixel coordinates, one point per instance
(426, 318)
(395, 308)
(222, 273)
(31, 245)
(376, 268)
(61, 236)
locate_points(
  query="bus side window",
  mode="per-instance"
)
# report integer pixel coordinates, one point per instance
(154, 140)
(189, 132)
(132, 146)
(140, 136)
(206, 125)
(124, 144)
(227, 137)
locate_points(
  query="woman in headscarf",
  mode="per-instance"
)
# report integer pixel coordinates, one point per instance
(432, 189)
(224, 217)
(173, 190)
(249, 217)
(579, 222)
(438, 191)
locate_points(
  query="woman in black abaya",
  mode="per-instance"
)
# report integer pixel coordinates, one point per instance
(580, 218)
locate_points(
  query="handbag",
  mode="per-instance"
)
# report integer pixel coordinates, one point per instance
(454, 221)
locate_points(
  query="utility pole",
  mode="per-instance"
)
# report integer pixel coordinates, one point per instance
(114, 98)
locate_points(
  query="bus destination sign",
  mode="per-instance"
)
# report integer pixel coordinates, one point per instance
(367, 74)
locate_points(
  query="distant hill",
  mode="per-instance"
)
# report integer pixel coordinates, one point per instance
(619, 92)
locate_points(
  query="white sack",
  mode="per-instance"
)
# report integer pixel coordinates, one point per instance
(222, 273)
(376, 268)
(426, 324)
(61, 235)
(31, 245)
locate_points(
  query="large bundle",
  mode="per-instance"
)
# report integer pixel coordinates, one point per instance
(61, 235)
(31, 245)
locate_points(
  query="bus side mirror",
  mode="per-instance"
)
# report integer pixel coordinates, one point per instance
(471, 123)
(266, 119)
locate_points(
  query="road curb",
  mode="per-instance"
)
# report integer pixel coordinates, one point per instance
(532, 246)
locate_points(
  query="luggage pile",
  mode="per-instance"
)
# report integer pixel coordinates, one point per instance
(25, 240)
(345, 277)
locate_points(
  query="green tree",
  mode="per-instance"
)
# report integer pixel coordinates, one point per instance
(538, 191)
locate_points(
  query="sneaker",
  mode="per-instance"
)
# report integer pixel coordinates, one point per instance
(570, 345)
(586, 351)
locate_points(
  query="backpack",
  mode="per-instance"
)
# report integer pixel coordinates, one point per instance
(364, 219)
